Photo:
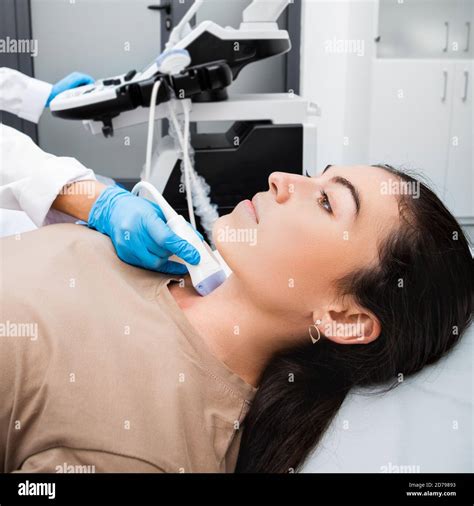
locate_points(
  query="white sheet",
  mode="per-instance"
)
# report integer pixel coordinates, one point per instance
(14, 222)
(425, 424)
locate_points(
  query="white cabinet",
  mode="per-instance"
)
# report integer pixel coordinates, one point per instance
(425, 29)
(409, 126)
(461, 43)
(459, 183)
(421, 120)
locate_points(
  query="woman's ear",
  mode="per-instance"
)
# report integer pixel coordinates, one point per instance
(349, 324)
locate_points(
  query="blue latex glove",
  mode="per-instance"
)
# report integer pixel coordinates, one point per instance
(139, 232)
(71, 81)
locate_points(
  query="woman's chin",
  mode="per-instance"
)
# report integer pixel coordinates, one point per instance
(215, 232)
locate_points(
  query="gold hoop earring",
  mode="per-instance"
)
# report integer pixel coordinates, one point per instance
(313, 340)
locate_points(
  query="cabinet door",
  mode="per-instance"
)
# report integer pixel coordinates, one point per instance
(417, 28)
(410, 114)
(460, 178)
(461, 43)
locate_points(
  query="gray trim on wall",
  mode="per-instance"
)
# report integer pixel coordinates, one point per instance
(169, 21)
(293, 57)
(15, 23)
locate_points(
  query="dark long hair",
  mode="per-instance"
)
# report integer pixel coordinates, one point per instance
(422, 293)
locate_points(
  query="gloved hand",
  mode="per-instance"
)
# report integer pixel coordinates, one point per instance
(139, 232)
(71, 81)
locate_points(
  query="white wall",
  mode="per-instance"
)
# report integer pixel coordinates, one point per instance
(339, 82)
(361, 27)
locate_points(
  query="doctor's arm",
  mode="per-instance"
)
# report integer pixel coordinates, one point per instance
(136, 226)
(31, 179)
(22, 95)
(53, 189)
(26, 97)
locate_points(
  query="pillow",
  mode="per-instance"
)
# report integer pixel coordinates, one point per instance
(425, 425)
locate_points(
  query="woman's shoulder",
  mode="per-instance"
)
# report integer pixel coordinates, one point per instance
(59, 233)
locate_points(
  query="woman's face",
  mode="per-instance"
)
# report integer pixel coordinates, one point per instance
(304, 233)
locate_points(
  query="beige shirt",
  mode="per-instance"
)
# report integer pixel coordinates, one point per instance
(100, 370)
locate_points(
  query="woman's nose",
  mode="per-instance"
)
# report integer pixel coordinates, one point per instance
(282, 185)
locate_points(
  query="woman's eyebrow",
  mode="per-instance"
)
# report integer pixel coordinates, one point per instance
(347, 184)
(326, 168)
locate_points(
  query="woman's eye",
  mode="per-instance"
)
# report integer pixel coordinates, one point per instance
(324, 202)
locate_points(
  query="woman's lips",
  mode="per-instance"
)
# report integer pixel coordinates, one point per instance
(255, 207)
(250, 206)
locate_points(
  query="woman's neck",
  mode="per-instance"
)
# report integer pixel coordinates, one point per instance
(236, 330)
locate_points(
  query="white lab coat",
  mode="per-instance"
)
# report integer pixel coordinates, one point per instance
(22, 95)
(30, 179)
